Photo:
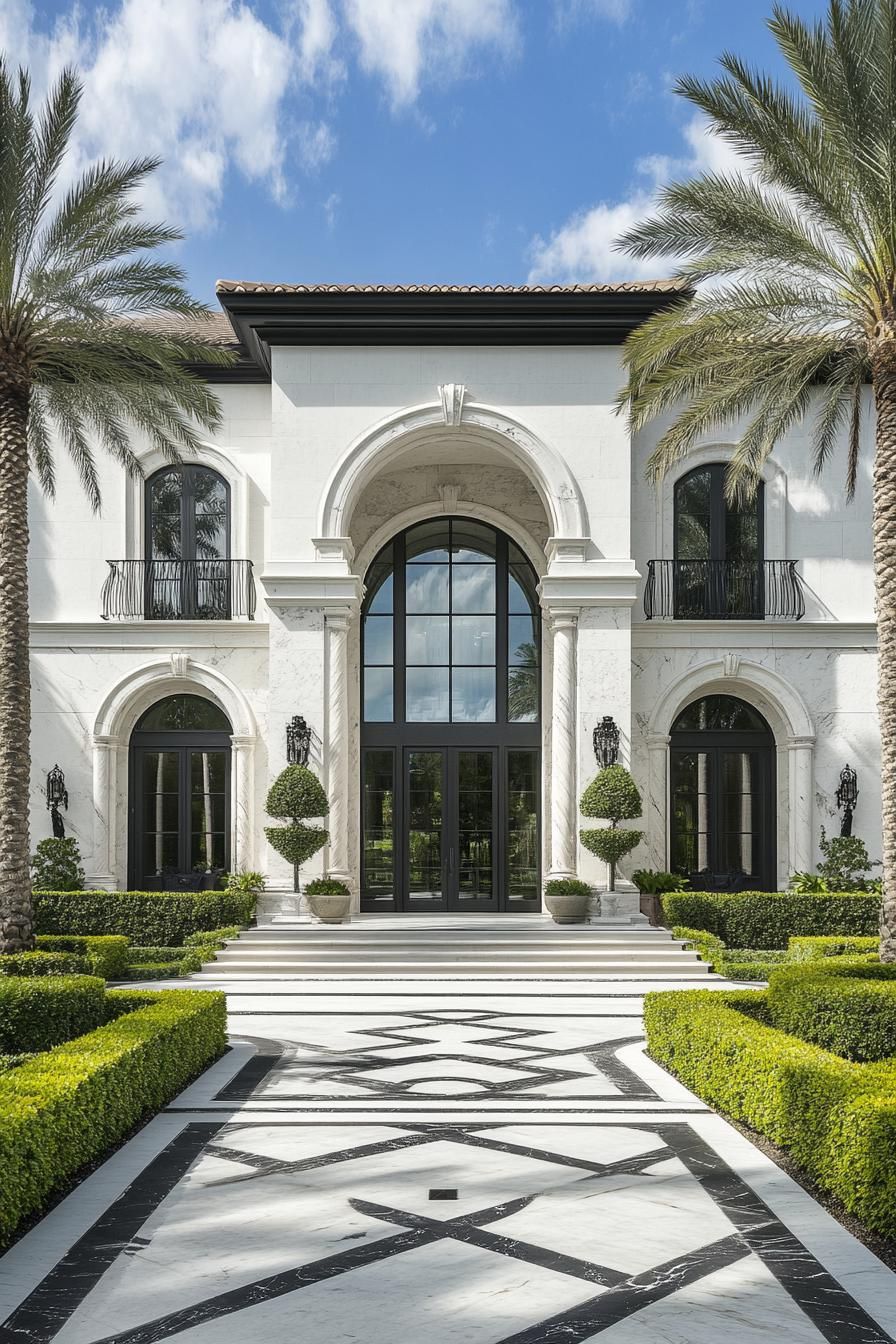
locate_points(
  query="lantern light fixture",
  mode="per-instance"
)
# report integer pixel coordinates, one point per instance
(298, 741)
(57, 795)
(847, 796)
(606, 742)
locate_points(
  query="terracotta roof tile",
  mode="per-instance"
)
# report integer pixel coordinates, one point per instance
(625, 287)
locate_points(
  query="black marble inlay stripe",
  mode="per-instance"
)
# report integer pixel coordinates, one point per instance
(302, 1276)
(634, 1294)
(44, 1312)
(830, 1308)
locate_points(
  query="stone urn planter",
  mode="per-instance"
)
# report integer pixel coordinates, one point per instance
(567, 900)
(329, 900)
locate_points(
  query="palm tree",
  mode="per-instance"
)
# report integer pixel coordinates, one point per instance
(792, 310)
(78, 366)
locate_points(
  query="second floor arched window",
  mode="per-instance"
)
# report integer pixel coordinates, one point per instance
(187, 544)
(719, 548)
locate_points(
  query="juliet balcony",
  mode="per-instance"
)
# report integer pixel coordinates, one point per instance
(723, 590)
(179, 590)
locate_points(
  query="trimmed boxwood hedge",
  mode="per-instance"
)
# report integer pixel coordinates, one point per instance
(769, 918)
(838, 1119)
(166, 963)
(38, 1012)
(105, 954)
(846, 1005)
(216, 937)
(738, 963)
(151, 918)
(43, 963)
(64, 1108)
(801, 949)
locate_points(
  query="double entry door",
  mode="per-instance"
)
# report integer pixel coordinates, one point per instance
(451, 829)
(179, 811)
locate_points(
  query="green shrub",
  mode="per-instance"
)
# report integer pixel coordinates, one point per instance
(57, 865)
(741, 963)
(846, 1005)
(838, 1119)
(816, 948)
(165, 963)
(653, 882)
(13, 1061)
(37, 1012)
(769, 918)
(156, 918)
(106, 954)
(64, 1108)
(215, 937)
(43, 963)
(706, 944)
(326, 886)
(566, 886)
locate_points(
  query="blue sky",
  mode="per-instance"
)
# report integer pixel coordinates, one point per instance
(477, 141)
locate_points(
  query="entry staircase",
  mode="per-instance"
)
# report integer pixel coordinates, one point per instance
(513, 947)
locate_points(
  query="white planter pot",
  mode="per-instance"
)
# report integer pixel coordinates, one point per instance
(571, 909)
(330, 909)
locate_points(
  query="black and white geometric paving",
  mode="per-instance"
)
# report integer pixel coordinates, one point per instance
(495, 1170)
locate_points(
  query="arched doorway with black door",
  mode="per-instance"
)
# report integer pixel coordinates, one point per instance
(723, 796)
(179, 796)
(450, 732)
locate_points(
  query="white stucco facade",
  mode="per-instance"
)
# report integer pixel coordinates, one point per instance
(336, 447)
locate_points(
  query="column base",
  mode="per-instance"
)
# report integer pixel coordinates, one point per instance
(619, 907)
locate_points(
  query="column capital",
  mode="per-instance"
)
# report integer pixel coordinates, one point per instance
(242, 740)
(105, 740)
(658, 741)
(338, 618)
(795, 743)
(563, 618)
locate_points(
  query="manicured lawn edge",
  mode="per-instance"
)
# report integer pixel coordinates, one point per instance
(68, 1105)
(837, 1119)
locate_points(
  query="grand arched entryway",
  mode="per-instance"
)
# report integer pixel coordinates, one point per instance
(450, 737)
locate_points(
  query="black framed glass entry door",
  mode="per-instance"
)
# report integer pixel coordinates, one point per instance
(450, 733)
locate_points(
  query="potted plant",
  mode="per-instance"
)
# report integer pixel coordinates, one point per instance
(567, 900)
(296, 794)
(330, 900)
(652, 884)
(611, 796)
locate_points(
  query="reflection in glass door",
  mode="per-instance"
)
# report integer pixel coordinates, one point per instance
(425, 793)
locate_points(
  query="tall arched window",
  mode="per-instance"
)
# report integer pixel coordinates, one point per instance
(187, 544)
(722, 756)
(450, 735)
(179, 795)
(718, 548)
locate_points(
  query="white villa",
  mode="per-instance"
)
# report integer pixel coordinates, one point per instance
(425, 530)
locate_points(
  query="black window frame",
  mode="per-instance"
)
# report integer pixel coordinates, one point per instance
(182, 742)
(187, 581)
(760, 743)
(401, 735)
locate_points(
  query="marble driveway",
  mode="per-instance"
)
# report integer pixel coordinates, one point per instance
(442, 1162)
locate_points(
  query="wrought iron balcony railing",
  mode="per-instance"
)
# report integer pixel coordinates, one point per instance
(723, 590)
(179, 590)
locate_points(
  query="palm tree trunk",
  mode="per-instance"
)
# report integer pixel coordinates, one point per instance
(884, 375)
(15, 678)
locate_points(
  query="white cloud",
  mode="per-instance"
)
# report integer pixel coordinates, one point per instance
(582, 248)
(331, 207)
(570, 11)
(405, 41)
(211, 87)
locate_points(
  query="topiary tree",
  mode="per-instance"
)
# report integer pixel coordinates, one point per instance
(611, 796)
(296, 794)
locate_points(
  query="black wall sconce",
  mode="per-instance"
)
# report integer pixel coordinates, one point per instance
(847, 796)
(298, 741)
(57, 794)
(606, 742)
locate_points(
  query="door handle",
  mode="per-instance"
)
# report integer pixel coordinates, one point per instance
(451, 858)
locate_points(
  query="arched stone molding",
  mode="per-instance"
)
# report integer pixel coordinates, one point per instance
(376, 448)
(130, 697)
(774, 477)
(785, 711)
(436, 509)
(207, 456)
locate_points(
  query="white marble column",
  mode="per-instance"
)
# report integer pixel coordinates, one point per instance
(657, 806)
(800, 763)
(242, 811)
(105, 811)
(563, 802)
(337, 740)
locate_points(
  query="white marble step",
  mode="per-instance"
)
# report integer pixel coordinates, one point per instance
(661, 967)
